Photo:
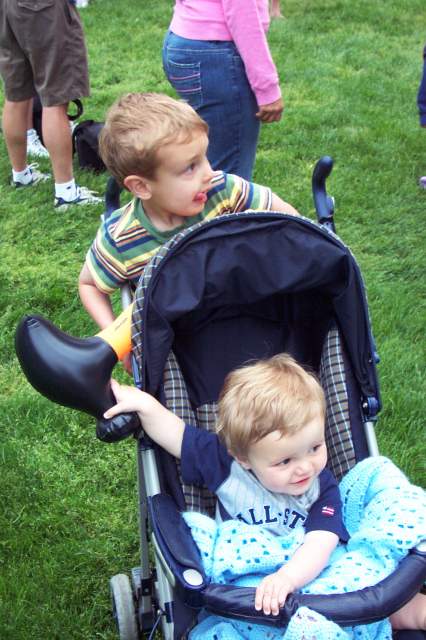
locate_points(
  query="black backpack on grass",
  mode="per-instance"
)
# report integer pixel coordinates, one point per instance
(86, 145)
(84, 137)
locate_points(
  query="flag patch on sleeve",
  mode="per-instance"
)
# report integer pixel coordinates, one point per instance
(327, 511)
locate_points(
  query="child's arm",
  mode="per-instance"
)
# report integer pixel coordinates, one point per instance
(284, 207)
(96, 302)
(98, 305)
(306, 564)
(163, 426)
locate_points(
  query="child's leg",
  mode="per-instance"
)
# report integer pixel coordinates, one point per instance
(412, 615)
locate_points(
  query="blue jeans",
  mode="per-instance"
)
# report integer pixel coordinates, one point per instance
(421, 95)
(210, 76)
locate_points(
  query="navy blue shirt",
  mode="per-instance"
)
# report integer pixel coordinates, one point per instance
(205, 461)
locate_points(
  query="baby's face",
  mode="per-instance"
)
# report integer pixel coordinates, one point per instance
(181, 182)
(289, 464)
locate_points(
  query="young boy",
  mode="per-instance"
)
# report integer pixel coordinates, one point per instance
(266, 465)
(156, 147)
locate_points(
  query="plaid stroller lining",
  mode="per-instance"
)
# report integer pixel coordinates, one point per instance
(338, 433)
(177, 400)
(341, 452)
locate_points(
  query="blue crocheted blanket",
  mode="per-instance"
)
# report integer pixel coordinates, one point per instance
(385, 516)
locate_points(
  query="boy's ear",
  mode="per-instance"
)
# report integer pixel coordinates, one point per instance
(138, 186)
(242, 461)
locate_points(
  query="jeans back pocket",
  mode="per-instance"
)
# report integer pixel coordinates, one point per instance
(35, 5)
(185, 78)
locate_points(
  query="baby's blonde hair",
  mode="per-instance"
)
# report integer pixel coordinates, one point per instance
(138, 125)
(269, 395)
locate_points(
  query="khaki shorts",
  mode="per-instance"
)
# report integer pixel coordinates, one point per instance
(42, 50)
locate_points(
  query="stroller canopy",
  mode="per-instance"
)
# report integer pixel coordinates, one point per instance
(246, 286)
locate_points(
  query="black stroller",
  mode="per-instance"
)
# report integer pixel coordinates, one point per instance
(241, 287)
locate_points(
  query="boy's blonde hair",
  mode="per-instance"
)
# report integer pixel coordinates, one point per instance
(137, 125)
(270, 395)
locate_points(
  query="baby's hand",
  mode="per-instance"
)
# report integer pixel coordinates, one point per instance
(128, 399)
(272, 592)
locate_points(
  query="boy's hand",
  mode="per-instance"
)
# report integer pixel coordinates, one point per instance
(128, 399)
(272, 592)
(160, 424)
(306, 564)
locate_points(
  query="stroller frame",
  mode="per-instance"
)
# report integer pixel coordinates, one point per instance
(149, 599)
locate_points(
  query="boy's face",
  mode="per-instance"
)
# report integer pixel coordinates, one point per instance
(289, 464)
(181, 182)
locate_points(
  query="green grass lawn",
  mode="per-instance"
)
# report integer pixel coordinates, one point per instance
(350, 72)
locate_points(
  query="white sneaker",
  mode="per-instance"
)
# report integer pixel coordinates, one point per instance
(84, 197)
(81, 4)
(35, 147)
(36, 177)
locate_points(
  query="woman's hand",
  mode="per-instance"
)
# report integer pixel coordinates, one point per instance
(271, 112)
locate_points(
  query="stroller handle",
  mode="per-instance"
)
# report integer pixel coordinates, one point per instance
(346, 609)
(324, 204)
(352, 608)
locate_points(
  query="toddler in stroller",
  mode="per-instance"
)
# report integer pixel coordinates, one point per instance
(269, 467)
(266, 465)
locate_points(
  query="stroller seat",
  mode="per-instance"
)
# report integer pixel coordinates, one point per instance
(243, 287)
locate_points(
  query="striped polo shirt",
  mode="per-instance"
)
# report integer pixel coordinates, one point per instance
(127, 240)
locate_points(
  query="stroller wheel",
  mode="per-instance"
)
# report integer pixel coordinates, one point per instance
(123, 607)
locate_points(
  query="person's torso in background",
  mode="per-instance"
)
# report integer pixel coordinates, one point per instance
(205, 19)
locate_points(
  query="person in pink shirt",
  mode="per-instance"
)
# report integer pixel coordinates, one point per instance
(217, 58)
